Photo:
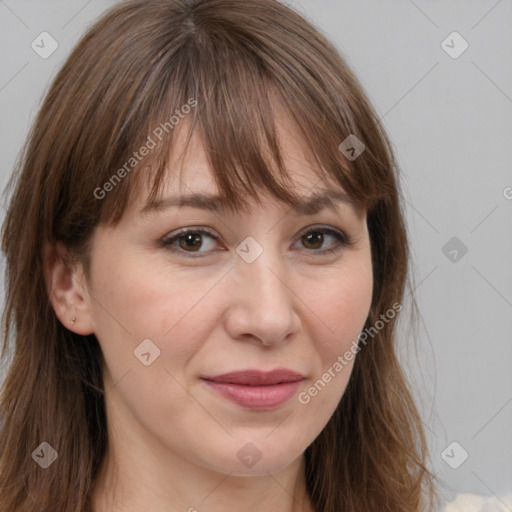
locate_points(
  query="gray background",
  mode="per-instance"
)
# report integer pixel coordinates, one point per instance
(450, 120)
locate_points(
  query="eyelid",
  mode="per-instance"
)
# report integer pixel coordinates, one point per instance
(323, 228)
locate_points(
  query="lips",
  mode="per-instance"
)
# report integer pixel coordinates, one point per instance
(255, 389)
(257, 377)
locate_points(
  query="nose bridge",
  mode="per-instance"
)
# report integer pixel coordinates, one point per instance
(264, 301)
(264, 277)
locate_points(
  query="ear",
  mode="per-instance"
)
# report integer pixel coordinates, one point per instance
(67, 290)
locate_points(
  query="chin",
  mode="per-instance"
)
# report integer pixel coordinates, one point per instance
(254, 458)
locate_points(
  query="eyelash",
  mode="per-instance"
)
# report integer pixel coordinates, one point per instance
(342, 240)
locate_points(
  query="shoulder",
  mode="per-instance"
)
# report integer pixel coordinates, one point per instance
(465, 502)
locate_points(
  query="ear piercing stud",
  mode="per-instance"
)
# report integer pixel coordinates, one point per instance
(73, 320)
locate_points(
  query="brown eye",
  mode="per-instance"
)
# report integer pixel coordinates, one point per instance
(190, 241)
(315, 238)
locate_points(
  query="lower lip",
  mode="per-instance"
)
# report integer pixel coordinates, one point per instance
(256, 397)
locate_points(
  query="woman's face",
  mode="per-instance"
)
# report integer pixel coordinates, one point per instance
(258, 291)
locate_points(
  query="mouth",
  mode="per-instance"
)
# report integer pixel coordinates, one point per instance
(257, 377)
(256, 389)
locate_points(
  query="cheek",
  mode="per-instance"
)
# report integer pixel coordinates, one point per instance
(146, 301)
(342, 305)
(166, 306)
(135, 304)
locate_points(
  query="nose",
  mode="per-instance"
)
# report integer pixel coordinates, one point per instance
(263, 303)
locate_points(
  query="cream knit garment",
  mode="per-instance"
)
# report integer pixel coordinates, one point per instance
(476, 503)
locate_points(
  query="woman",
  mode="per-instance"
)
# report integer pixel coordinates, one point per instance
(206, 257)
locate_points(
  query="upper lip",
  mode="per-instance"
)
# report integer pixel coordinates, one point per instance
(252, 377)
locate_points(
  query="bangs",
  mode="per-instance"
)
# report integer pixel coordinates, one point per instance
(231, 88)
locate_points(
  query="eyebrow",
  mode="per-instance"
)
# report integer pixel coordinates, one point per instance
(308, 206)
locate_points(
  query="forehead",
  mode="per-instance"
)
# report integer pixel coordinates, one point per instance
(199, 192)
(192, 172)
(189, 176)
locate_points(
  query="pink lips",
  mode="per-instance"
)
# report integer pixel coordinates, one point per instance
(256, 389)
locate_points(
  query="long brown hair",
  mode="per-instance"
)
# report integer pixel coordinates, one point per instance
(232, 62)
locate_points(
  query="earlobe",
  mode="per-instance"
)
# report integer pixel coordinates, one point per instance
(66, 289)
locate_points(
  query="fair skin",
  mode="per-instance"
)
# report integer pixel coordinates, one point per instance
(174, 441)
